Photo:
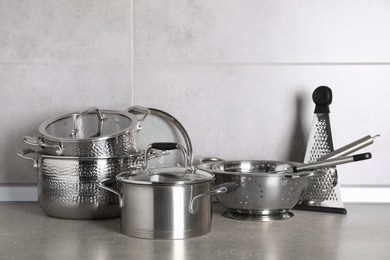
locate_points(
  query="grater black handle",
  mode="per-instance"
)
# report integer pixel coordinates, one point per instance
(322, 97)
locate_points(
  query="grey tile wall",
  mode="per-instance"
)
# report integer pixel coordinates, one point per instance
(58, 57)
(265, 112)
(238, 74)
(253, 31)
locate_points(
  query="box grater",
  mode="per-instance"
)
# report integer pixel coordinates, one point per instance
(323, 192)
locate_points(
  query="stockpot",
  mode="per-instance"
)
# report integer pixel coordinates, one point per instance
(92, 133)
(165, 203)
(67, 186)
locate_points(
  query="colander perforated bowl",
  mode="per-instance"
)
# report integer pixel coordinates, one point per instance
(259, 189)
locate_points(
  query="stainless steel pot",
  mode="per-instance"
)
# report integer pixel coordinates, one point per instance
(165, 203)
(67, 186)
(259, 190)
(92, 133)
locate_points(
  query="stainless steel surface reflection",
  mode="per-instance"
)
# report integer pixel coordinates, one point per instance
(179, 250)
(163, 212)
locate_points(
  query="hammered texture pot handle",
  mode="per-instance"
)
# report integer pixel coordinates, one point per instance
(37, 141)
(22, 154)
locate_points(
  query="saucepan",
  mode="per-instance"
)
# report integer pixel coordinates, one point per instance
(165, 202)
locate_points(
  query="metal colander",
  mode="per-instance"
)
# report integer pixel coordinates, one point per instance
(258, 189)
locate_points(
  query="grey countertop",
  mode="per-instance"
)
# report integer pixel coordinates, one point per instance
(364, 233)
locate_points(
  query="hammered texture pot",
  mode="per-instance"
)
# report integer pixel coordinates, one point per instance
(67, 186)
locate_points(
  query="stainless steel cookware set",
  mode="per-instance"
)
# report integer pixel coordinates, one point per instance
(89, 167)
(81, 149)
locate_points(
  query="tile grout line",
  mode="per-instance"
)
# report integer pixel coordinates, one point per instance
(132, 61)
(270, 63)
(132, 51)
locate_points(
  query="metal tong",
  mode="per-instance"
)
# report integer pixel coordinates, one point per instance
(336, 157)
(327, 163)
(350, 148)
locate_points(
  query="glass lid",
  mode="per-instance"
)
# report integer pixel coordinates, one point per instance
(90, 125)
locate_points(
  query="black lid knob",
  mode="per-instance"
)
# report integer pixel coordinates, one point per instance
(322, 97)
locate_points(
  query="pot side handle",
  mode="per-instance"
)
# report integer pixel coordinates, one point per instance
(139, 110)
(102, 184)
(22, 154)
(212, 192)
(209, 160)
(37, 141)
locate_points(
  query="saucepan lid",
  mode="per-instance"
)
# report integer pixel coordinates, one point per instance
(176, 175)
(167, 176)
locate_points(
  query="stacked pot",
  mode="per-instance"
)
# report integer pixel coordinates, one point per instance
(78, 151)
(89, 167)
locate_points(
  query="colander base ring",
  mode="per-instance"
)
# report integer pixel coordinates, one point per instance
(260, 218)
